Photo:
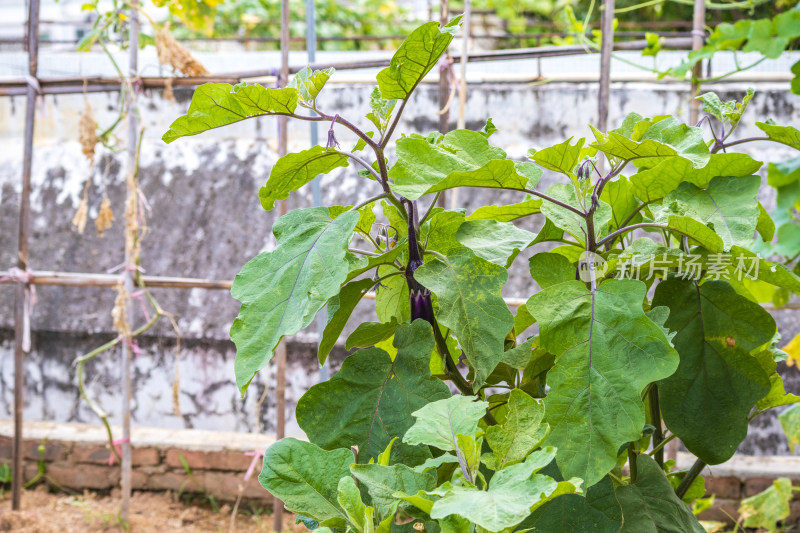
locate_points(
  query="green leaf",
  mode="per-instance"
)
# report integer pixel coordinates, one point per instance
(219, 104)
(309, 83)
(507, 502)
(381, 110)
(372, 397)
(438, 423)
(369, 334)
(281, 291)
(697, 232)
(306, 478)
(548, 268)
(796, 80)
(519, 356)
(655, 183)
(766, 509)
(597, 512)
(619, 195)
(497, 242)
(198, 15)
(439, 232)
(383, 481)
(730, 204)
(765, 226)
(650, 505)
(783, 173)
(562, 157)
(607, 350)
(788, 135)
(728, 113)
(340, 307)
(292, 171)
(522, 431)
(461, 158)
(391, 301)
(718, 381)
(790, 422)
(650, 141)
(416, 56)
(569, 221)
(471, 305)
(507, 213)
(349, 499)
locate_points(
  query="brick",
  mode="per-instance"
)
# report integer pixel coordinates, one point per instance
(139, 480)
(727, 488)
(754, 485)
(238, 462)
(145, 457)
(225, 487)
(84, 476)
(177, 481)
(6, 448)
(722, 511)
(91, 454)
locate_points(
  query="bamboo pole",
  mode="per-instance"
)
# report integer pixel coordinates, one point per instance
(78, 279)
(698, 40)
(23, 294)
(606, 47)
(444, 91)
(280, 352)
(461, 122)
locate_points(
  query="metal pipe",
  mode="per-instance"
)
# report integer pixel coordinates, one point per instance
(606, 48)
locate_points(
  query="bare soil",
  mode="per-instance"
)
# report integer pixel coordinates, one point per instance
(151, 512)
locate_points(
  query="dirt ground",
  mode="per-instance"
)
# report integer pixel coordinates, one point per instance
(150, 513)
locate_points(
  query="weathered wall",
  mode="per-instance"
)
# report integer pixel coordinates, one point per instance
(205, 221)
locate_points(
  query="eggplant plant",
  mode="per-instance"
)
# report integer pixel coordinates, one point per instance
(644, 328)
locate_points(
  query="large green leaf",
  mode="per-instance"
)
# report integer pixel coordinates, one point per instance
(619, 195)
(650, 505)
(383, 481)
(718, 381)
(281, 291)
(416, 56)
(648, 142)
(520, 433)
(561, 158)
(497, 242)
(306, 478)
(470, 304)
(548, 268)
(597, 512)
(507, 213)
(349, 499)
(655, 183)
(461, 158)
(607, 350)
(219, 104)
(507, 502)
(438, 423)
(788, 135)
(292, 171)
(730, 204)
(340, 307)
(372, 397)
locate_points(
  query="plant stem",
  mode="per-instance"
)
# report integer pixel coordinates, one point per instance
(395, 120)
(740, 141)
(632, 463)
(691, 475)
(553, 201)
(363, 163)
(655, 419)
(430, 208)
(662, 444)
(367, 202)
(611, 237)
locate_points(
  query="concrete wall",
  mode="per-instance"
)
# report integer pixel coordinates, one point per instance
(205, 221)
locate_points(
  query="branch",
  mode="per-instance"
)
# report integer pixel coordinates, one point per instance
(611, 237)
(741, 141)
(395, 120)
(689, 478)
(367, 202)
(363, 163)
(554, 201)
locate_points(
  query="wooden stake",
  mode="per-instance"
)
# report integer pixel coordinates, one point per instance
(444, 91)
(22, 303)
(606, 47)
(698, 39)
(462, 83)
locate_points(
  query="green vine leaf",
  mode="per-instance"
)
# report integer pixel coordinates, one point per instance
(648, 142)
(415, 58)
(461, 158)
(561, 158)
(281, 291)
(619, 195)
(548, 268)
(306, 478)
(522, 431)
(497, 242)
(717, 379)
(382, 482)
(729, 112)
(471, 305)
(650, 503)
(788, 135)
(438, 423)
(607, 350)
(507, 213)
(292, 171)
(371, 399)
(729, 204)
(219, 104)
(655, 183)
